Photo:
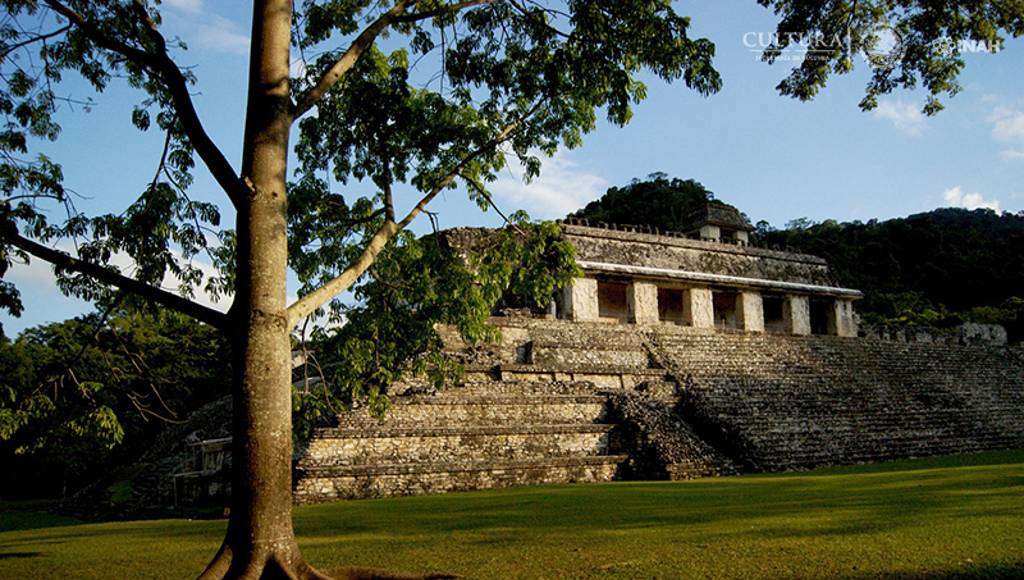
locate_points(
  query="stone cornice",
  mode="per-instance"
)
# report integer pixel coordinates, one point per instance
(645, 238)
(706, 278)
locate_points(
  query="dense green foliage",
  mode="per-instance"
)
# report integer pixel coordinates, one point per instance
(931, 268)
(908, 43)
(81, 396)
(416, 284)
(934, 518)
(656, 201)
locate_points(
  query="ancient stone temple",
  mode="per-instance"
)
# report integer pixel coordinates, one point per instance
(716, 281)
(676, 355)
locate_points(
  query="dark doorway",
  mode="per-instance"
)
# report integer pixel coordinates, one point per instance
(773, 317)
(819, 316)
(670, 306)
(724, 304)
(611, 301)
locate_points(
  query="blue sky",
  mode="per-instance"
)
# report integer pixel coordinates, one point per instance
(773, 157)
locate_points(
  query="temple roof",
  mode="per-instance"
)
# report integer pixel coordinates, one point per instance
(718, 214)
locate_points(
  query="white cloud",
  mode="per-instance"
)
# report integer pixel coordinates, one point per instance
(190, 6)
(199, 26)
(956, 197)
(563, 186)
(221, 34)
(905, 116)
(1012, 154)
(1007, 124)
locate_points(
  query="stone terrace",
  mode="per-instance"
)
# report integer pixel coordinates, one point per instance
(534, 409)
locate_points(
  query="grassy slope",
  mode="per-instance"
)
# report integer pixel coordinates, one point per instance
(939, 517)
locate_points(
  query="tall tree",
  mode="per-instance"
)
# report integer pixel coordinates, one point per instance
(516, 77)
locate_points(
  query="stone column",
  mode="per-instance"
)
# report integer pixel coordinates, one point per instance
(579, 299)
(840, 318)
(796, 315)
(698, 308)
(750, 311)
(642, 301)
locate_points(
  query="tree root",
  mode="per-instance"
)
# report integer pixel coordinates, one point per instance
(371, 574)
(292, 566)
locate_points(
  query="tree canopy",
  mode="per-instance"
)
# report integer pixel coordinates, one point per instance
(658, 201)
(80, 397)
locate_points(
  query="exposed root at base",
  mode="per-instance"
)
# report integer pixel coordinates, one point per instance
(371, 574)
(283, 567)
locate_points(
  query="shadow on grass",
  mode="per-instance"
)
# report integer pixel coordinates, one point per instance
(32, 515)
(790, 506)
(1007, 570)
(19, 555)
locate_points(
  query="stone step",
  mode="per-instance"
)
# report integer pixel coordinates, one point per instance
(624, 355)
(327, 483)
(452, 409)
(341, 447)
(602, 376)
(523, 388)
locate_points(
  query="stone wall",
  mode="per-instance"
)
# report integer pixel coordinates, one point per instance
(658, 251)
(965, 334)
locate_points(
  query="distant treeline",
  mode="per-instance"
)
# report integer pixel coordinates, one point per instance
(933, 267)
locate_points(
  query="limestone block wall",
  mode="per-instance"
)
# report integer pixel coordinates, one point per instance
(638, 249)
(965, 334)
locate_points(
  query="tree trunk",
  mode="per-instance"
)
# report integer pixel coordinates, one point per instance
(260, 541)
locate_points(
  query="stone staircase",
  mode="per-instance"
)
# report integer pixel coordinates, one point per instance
(783, 403)
(475, 436)
(535, 409)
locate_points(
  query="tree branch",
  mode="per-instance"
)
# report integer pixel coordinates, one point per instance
(214, 318)
(366, 38)
(417, 16)
(163, 67)
(9, 49)
(482, 192)
(348, 59)
(317, 298)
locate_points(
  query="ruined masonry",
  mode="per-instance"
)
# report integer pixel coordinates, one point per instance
(676, 355)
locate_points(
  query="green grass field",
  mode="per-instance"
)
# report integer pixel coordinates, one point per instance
(944, 517)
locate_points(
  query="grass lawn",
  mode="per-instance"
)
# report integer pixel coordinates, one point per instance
(942, 517)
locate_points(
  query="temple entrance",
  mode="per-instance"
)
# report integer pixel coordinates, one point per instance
(724, 304)
(819, 316)
(611, 302)
(774, 320)
(670, 306)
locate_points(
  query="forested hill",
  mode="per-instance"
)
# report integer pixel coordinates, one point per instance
(936, 267)
(956, 258)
